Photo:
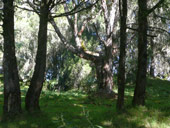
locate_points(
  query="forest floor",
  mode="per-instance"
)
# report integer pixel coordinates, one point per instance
(74, 109)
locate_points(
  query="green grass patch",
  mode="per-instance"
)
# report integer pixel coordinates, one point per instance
(74, 109)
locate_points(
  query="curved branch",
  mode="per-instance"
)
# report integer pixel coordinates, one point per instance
(78, 51)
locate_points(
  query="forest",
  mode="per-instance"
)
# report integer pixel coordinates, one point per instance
(84, 64)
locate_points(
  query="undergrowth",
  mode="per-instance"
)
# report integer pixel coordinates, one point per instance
(74, 109)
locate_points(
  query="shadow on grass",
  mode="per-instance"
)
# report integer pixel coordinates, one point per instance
(156, 112)
(74, 109)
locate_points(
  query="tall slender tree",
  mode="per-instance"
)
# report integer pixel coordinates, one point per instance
(34, 91)
(42, 8)
(139, 94)
(121, 70)
(140, 88)
(12, 95)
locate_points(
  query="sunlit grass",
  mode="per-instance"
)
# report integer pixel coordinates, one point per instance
(74, 109)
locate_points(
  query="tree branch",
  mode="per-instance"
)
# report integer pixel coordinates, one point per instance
(70, 21)
(76, 9)
(159, 29)
(23, 8)
(134, 29)
(105, 11)
(78, 51)
(62, 38)
(36, 10)
(112, 17)
(162, 17)
(100, 39)
(156, 6)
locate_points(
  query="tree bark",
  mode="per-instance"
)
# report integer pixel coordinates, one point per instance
(104, 75)
(34, 91)
(139, 93)
(99, 74)
(107, 69)
(12, 95)
(152, 59)
(121, 70)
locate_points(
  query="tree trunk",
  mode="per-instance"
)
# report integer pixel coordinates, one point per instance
(139, 94)
(104, 77)
(107, 70)
(121, 70)
(104, 72)
(152, 59)
(12, 95)
(34, 91)
(99, 74)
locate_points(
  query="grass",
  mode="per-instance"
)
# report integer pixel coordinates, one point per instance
(73, 109)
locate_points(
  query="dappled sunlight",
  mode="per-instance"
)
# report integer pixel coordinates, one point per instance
(34, 125)
(51, 97)
(55, 119)
(79, 105)
(154, 123)
(76, 109)
(84, 64)
(107, 123)
(22, 96)
(147, 117)
(23, 122)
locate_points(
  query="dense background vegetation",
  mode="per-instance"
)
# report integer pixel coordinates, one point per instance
(85, 63)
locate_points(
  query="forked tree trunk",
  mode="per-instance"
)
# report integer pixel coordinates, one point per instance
(103, 63)
(34, 91)
(139, 94)
(12, 95)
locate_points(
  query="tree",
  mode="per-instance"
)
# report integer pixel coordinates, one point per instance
(34, 91)
(139, 94)
(121, 71)
(140, 88)
(12, 95)
(103, 61)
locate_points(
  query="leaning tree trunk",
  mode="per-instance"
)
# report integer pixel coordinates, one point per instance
(121, 70)
(34, 91)
(12, 95)
(139, 94)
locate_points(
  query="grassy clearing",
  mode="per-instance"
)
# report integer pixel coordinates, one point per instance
(73, 109)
